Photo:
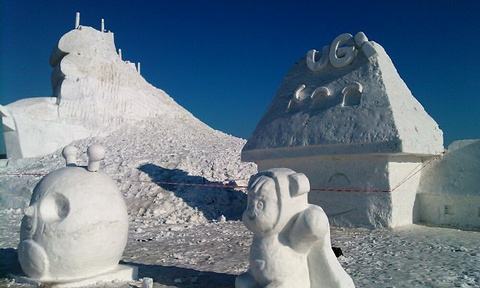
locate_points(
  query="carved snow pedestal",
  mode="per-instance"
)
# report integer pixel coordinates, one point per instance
(291, 242)
(75, 230)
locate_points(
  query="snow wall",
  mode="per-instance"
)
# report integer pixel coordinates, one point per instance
(449, 191)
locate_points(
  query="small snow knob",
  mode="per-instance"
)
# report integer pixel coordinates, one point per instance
(147, 282)
(29, 211)
(95, 154)
(70, 155)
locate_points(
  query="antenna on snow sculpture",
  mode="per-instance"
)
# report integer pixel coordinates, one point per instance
(70, 155)
(95, 154)
(77, 20)
(102, 25)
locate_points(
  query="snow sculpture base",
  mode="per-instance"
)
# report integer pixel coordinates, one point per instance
(291, 244)
(358, 197)
(122, 273)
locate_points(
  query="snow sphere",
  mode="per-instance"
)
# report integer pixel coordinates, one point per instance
(75, 227)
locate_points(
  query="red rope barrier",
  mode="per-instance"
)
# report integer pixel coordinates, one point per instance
(211, 185)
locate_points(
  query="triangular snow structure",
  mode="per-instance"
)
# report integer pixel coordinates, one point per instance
(362, 107)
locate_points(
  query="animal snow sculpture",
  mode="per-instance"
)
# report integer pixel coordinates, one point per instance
(76, 226)
(291, 239)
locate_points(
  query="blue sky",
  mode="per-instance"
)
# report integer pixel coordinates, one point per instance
(224, 60)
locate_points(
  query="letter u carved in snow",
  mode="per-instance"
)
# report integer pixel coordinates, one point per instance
(317, 64)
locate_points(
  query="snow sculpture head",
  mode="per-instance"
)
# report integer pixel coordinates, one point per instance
(76, 225)
(291, 244)
(274, 196)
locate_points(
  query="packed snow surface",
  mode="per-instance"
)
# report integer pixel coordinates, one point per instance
(179, 238)
(191, 236)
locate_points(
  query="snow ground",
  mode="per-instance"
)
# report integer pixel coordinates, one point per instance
(175, 237)
(212, 254)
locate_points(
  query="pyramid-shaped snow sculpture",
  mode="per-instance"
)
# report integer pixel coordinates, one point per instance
(344, 117)
(94, 93)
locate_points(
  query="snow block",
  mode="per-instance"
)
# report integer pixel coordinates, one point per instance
(449, 192)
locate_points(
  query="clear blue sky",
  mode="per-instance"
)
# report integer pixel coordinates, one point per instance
(224, 60)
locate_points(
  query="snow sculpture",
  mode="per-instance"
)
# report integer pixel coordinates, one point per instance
(291, 242)
(95, 93)
(345, 118)
(76, 226)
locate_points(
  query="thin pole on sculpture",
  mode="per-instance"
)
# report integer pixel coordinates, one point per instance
(120, 53)
(138, 67)
(102, 29)
(77, 20)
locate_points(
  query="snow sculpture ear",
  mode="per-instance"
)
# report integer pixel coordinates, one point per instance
(298, 184)
(95, 154)
(70, 155)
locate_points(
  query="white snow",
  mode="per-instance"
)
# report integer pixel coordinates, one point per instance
(169, 239)
(346, 119)
(95, 92)
(174, 236)
(449, 193)
(212, 254)
(291, 245)
(379, 116)
(76, 225)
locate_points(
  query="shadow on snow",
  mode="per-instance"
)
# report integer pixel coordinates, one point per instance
(9, 263)
(211, 201)
(166, 275)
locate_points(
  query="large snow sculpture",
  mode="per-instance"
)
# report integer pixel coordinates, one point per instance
(76, 226)
(94, 93)
(345, 118)
(291, 242)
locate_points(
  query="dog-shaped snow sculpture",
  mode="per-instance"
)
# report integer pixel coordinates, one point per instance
(291, 239)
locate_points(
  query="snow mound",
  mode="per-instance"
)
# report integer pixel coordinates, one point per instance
(172, 149)
(95, 92)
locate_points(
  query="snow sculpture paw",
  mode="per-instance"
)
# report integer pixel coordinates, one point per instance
(291, 244)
